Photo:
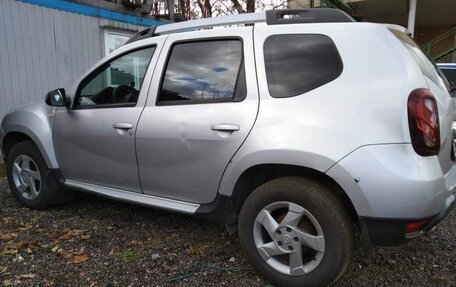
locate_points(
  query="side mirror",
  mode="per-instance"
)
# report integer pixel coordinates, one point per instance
(57, 98)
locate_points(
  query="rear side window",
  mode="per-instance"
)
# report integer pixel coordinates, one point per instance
(204, 72)
(298, 63)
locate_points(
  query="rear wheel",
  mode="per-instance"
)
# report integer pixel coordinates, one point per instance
(296, 232)
(29, 178)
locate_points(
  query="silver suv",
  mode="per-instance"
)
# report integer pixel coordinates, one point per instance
(297, 129)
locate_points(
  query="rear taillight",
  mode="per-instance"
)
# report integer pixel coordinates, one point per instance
(423, 119)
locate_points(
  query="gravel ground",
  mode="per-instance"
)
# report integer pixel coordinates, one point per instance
(97, 242)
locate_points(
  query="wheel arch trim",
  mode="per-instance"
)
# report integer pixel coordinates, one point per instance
(36, 126)
(231, 197)
(316, 163)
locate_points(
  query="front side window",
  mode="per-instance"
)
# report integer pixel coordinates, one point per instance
(115, 83)
(206, 71)
(298, 63)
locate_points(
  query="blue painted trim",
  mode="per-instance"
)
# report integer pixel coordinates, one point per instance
(93, 12)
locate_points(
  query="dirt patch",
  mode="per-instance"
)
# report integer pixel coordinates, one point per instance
(97, 242)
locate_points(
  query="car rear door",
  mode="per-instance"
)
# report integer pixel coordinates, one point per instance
(200, 109)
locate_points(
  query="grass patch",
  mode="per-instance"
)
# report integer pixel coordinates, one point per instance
(198, 249)
(128, 255)
(2, 169)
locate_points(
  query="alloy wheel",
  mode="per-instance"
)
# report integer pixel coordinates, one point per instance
(289, 238)
(26, 177)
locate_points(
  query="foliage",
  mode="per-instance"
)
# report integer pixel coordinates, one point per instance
(194, 9)
(127, 255)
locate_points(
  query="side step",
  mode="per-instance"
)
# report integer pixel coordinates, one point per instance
(133, 197)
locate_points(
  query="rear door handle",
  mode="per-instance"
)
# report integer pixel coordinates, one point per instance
(225, 127)
(122, 126)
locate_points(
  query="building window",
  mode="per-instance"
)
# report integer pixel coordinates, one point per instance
(115, 39)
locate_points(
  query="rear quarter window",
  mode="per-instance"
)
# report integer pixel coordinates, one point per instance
(298, 63)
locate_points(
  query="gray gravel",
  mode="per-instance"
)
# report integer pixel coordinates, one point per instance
(97, 242)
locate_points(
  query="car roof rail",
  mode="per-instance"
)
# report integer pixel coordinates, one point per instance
(143, 34)
(244, 18)
(271, 17)
(299, 16)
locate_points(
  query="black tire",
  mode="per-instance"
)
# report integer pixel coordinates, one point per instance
(50, 191)
(326, 208)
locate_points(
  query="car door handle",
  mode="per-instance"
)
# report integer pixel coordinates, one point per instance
(225, 127)
(122, 126)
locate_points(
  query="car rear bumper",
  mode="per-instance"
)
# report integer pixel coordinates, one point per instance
(391, 232)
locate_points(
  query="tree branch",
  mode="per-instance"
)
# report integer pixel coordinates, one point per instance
(238, 6)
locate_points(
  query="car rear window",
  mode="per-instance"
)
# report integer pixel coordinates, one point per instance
(298, 63)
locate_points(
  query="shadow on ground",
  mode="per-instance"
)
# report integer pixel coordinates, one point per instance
(2, 169)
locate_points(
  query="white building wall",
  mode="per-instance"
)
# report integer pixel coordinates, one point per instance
(43, 49)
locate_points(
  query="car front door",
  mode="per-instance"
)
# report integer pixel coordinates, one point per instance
(94, 140)
(200, 109)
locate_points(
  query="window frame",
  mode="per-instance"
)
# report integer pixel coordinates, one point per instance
(101, 68)
(239, 81)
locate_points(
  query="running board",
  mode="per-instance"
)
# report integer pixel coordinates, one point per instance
(133, 197)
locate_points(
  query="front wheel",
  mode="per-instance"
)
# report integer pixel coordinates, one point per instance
(296, 232)
(29, 178)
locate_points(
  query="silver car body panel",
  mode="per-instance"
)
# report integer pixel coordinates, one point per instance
(394, 182)
(35, 121)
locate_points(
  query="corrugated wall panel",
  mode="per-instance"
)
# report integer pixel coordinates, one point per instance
(42, 49)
